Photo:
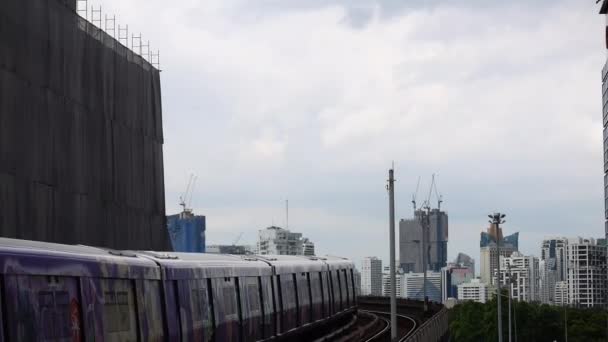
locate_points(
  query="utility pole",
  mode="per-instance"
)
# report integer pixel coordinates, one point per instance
(509, 289)
(425, 217)
(391, 200)
(497, 219)
(565, 320)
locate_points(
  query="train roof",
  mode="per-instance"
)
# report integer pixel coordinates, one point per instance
(335, 262)
(294, 263)
(206, 265)
(44, 258)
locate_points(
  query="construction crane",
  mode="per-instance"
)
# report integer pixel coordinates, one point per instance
(415, 194)
(185, 200)
(238, 239)
(427, 203)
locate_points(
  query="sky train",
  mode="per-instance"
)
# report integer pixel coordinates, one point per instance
(52, 292)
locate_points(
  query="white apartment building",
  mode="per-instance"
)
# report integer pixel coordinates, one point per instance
(386, 285)
(586, 273)
(371, 276)
(489, 263)
(411, 286)
(278, 241)
(560, 296)
(475, 290)
(308, 247)
(520, 274)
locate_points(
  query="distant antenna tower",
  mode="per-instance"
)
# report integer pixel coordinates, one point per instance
(185, 200)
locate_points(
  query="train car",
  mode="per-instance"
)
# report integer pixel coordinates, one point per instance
(52, 292)
(213, 297)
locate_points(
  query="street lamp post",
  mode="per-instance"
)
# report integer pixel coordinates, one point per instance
(497, 219)
(391, 192)
(425, 218)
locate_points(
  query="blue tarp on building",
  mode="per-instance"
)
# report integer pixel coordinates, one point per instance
(187, 232)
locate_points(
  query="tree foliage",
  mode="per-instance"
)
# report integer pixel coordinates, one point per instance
(477, 322)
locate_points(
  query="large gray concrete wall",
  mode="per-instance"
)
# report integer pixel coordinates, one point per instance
(81, 137)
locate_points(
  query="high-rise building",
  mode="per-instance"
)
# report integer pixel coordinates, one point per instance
(560, 296)
(553, 267)
(410, 242)
(520, 274)
(604, 11)
(586, 273)
(279, 241)
(474, 290)
(452, 276)
(464, 260)
(187, 232)
(489, 251)
(386, 280)
(371, 276)
(230, 249)
(411, 286)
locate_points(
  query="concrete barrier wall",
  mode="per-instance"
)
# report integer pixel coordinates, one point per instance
(434, 329)
(81, 159)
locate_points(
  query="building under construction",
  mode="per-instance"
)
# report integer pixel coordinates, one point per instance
(81, 135)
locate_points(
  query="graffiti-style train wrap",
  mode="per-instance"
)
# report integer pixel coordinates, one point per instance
(52, 292)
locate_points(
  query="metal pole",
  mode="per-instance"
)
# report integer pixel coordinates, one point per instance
(497, 219)
(515, 319)
(565, 321)
(391, 192)
(425, 229)
(510, 289)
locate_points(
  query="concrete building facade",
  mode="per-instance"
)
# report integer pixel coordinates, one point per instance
(553, 266)
(474, 290)
(520, 275)
(411, 286)
(308, 247)
(371, 276)
(410, 242)
(560, 296)
(587, 274)
(278, 241)
(451, 277)
(489, 251)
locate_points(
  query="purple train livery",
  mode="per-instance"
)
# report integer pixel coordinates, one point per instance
(51, 292)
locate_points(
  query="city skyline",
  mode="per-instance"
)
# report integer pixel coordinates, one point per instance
(321, 109)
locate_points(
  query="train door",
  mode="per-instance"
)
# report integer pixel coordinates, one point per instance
(43, 308)
(151, 310)
(316, 294)
(269, 306)
(195, 310)
(117, 298)
(335, 281)
(328, 289)
(226, 309)
(353, 287)
(303, 298)
(344, 288)
(251, 309)
(288, 299)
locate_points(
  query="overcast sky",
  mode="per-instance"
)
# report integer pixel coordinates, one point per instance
(312, 100)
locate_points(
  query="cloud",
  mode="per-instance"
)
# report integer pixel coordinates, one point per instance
(313, 100)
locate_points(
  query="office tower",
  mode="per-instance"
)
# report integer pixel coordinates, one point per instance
(520, 274)
(474, 290)
(488, 251)
(604, 11)
(410, 242)
(411, 286)
(279, 241)
(371, 276)
(452, 276)
(386, 280)
(465, 261)
(586, 273)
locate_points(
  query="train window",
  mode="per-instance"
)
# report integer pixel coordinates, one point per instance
(353, 288)
(328, 293)
(41, 308)
(119, 319)
(116, 311)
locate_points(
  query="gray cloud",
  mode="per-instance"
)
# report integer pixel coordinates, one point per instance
(312, 100)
